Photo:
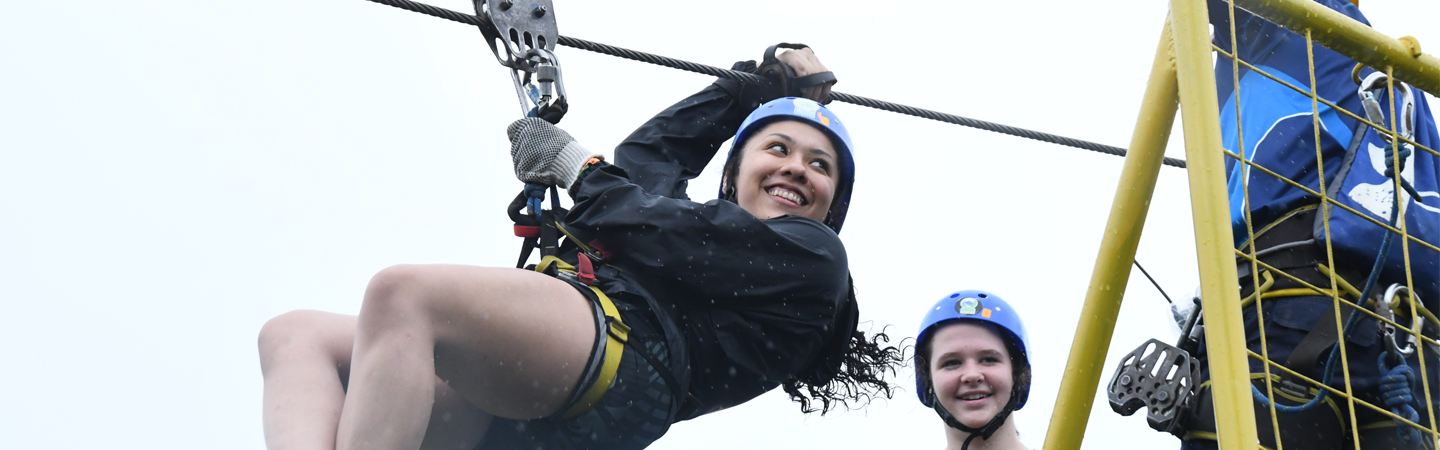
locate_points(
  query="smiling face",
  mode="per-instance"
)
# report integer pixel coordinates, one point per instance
(971, 371)
(787, 167)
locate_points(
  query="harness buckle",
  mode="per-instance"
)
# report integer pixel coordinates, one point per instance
(585, 273)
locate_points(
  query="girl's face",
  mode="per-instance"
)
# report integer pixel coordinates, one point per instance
(788, 167)
(971, 371)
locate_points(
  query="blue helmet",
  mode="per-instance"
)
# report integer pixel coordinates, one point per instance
(980, 306)
(817, 115)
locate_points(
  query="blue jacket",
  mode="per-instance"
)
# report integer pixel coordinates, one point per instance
(1278, 130)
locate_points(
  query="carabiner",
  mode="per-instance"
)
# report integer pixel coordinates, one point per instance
(1375, 113)
(1385, 309)
(522, 34)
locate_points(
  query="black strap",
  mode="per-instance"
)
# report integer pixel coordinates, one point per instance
(788, 83)
(1322, 335)
(814, 79)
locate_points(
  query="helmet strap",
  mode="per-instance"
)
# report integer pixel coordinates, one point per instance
(983, 432)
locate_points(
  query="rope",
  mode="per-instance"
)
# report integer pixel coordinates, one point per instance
(1395, 387)
(749, 77)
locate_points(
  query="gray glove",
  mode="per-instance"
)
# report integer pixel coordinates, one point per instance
(545, 154)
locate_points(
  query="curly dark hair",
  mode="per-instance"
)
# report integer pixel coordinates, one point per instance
(851, 370)
(861, 378)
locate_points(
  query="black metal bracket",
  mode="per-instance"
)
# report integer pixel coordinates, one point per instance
(1159, 377)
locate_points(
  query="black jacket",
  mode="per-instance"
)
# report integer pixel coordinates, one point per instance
(746, 303)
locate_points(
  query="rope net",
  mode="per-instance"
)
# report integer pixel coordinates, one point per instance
(1358, 397)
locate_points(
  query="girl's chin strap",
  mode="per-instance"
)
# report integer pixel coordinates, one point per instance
(983, 432)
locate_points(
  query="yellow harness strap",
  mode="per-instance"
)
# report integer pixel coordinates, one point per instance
(615, 340)
(616, 335)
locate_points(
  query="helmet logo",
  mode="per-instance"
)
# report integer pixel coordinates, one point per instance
(805, 107)
(968, 306)
(823, 119)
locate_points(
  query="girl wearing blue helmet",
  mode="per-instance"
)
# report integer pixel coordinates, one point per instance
(658, 309)
(972, 366)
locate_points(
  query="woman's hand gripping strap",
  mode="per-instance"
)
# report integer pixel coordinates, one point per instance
(795, 74)
(546, 155)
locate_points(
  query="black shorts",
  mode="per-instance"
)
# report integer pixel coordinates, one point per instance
(634, 412)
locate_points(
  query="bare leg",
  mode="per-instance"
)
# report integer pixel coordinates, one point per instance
(305, 359)
(512, 342)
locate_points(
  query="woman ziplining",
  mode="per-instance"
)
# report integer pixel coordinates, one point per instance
(663, 309)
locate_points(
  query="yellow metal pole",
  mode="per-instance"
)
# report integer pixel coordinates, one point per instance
(1214, 243)
(1342, 34)
(1117, 253)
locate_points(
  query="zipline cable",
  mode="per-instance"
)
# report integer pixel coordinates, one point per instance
(749, 77)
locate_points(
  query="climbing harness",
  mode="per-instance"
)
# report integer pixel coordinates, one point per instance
(522, 36)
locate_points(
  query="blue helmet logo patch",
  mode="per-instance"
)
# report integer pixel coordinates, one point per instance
(968, 306)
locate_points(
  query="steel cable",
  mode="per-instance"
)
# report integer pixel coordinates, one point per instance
(749, 77)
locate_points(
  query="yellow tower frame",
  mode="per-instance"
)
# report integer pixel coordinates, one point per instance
(1183, 75)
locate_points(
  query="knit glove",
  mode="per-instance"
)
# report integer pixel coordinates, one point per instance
(545, 154)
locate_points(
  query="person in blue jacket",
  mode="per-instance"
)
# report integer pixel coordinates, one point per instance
(972, 366)
(1277, 130)
(659, 309)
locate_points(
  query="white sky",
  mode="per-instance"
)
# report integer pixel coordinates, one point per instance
(173, 173)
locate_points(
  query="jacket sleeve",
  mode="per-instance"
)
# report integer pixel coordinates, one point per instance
(675, 146)
(770, 288)
(715, 251)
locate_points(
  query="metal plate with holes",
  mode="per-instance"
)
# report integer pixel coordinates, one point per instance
(1159, 377)
(524, 24)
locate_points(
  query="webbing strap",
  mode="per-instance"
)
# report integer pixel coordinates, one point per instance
(550, 260)
(615, 337)
(1322, 335)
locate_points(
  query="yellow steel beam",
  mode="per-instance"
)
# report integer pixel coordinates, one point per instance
(1117, 253)
(1350, 38)
(1214, 243)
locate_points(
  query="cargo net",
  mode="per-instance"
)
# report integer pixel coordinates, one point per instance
(1324, 256)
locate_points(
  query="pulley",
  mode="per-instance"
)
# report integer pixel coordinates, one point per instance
(522, 35)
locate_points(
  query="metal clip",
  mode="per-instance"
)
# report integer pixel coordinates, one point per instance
(1384, 309)
(1377, 81)
(522, 35)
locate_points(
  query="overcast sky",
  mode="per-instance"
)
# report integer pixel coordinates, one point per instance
(174, 173)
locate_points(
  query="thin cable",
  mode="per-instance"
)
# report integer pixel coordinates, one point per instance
(749, 77)
(1152, 281)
